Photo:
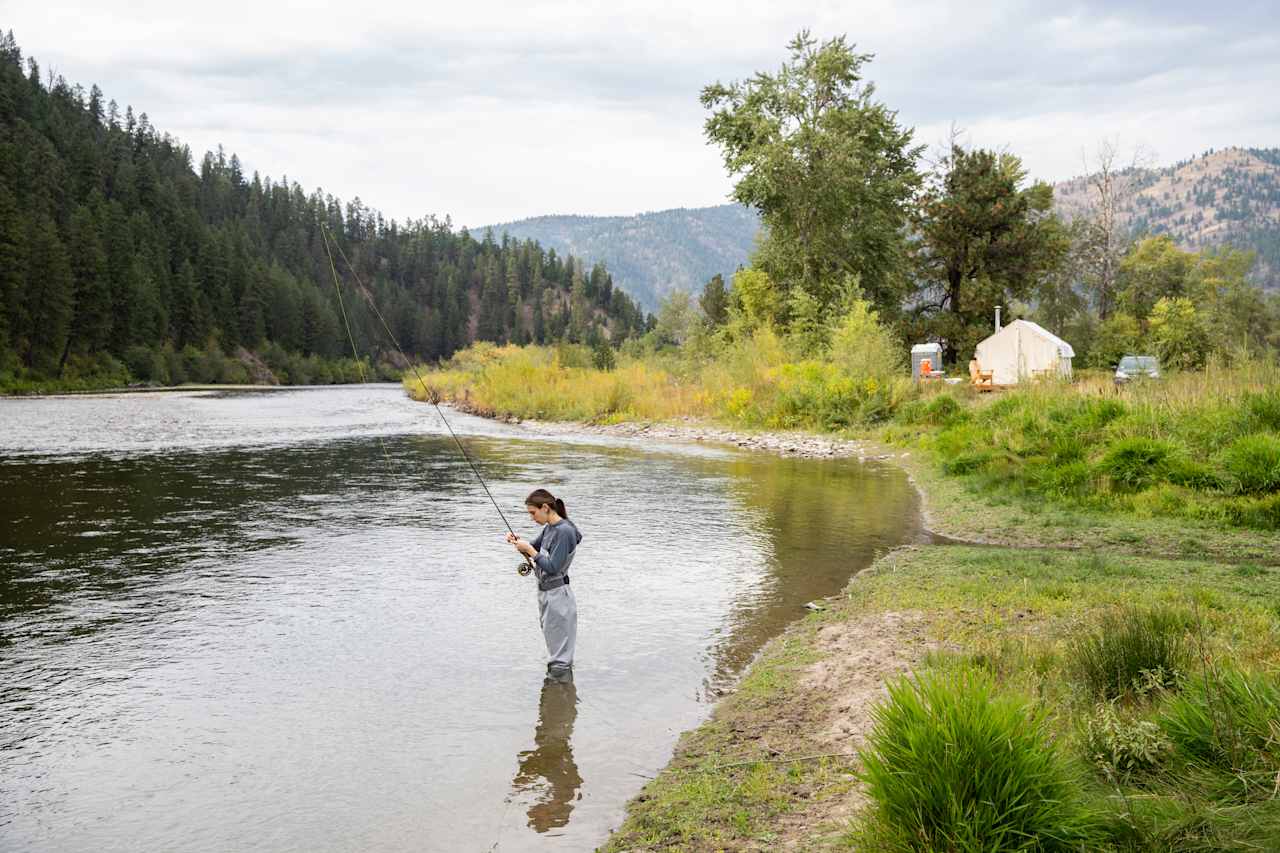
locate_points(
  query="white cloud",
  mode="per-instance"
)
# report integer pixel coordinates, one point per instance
(493, 111)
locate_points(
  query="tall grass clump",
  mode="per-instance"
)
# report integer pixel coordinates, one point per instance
(1254, 462)
(1137, 462)
(1229, 721)
(1131, 651)
(952, 764)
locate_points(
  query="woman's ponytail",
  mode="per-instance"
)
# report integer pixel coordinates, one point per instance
(541, 497)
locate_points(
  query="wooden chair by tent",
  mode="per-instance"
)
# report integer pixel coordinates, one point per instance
(980, 379)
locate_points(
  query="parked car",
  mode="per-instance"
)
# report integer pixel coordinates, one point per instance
(1137, 367)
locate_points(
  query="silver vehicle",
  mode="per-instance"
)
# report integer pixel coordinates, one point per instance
(1137, 367)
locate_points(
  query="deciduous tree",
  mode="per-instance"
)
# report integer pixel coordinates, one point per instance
(828, 167)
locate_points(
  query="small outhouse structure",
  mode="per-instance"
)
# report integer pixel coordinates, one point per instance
(925, 352)
(1024, 350)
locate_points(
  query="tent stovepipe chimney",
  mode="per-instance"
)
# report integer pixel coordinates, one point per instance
(997, 318)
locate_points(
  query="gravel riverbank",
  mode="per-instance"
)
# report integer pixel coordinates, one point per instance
(797, 444)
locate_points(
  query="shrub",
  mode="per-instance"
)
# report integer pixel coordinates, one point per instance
(952, 765)
(863, 347)
(1131, 651)
(1122, 747)
(1254, 462)
(1132, 464)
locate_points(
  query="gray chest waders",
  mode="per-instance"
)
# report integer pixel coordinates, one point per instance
(558, 617)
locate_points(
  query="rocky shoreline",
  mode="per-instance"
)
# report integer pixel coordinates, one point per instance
(797, 444)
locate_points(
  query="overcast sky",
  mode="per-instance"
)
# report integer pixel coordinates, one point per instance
(489, 111)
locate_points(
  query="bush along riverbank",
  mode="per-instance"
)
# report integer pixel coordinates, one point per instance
(1110, 682)
(167, 366)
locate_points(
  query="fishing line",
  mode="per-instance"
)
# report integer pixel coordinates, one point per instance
(354, 354)
(432, 396)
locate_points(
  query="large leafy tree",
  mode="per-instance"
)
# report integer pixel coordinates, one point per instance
(1154, 269)
(984, 239)
(827, 166)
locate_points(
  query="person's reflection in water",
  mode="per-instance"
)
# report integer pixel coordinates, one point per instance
(548, 770)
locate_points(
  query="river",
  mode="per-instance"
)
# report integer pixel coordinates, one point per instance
(287, 620)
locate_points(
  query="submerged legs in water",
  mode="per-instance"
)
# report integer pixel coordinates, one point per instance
(558, 616)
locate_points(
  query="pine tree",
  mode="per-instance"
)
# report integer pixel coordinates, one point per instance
(91, 324)
(49, 297)
(253, 319)
(13, 272)
(715, 301)
(188, 322)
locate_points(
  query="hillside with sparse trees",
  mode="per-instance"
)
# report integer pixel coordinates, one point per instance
(1227, 197)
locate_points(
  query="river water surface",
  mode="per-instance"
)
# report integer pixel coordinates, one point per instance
(287, 620)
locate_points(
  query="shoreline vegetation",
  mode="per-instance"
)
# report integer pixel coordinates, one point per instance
(1110, 650)
(166, 368)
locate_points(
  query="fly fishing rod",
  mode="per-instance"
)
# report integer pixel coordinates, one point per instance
(432, 395)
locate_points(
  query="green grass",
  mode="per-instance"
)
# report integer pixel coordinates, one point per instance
(1003, 623)
(954, 763)
(1203, 446)
(1229, 721)
(1132, 650)
(1171, 763)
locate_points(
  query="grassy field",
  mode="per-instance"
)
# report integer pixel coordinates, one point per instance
(1168, 761)
(1202, 446)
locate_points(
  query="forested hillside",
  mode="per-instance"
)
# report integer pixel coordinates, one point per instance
(651, 254)
(117, 251)
(1225, 197)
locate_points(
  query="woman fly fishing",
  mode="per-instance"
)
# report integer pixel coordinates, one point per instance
(552, 552)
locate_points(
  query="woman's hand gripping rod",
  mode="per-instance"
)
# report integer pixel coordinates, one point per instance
(526, 550)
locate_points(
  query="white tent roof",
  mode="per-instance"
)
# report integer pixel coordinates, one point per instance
(1064, 348)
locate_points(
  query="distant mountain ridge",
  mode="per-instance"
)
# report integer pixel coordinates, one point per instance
(1228, 196)
(651, 254)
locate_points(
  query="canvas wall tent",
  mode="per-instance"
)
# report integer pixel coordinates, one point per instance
(1022, 350)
